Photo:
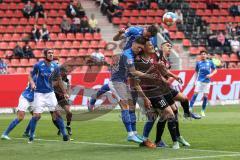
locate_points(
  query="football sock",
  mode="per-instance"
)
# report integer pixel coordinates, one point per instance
(28, 127)
(55, 123)
(133, 120)
(61, 125)
(147, 128)
(33, 125)
(126, 120)
(177, 123)
(204, 104)
(172, 129)
(193, 100)
(12, 125)
(160, 129)
(100, 92)
(69, 119)
(185, 106)
(134, 95)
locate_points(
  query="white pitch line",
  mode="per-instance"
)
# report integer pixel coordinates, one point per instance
(126, 145)
(203, 157)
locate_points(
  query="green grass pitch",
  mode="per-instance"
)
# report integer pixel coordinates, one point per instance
(216, 136)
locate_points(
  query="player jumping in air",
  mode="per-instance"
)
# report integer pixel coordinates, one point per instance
(130, 35)
(205, 69)
(44, 96)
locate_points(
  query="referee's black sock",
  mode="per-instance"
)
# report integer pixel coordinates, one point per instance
(172, 128)
(185, 106)
(160, 130)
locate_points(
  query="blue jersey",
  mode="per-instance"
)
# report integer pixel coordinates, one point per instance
(154, 41)
(28, 93)
(120, 69)
(131, 34)
(45, 75)
(203, 68)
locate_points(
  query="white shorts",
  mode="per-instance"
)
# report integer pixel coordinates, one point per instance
(202, 87)
(120, 90)
(42, 100)
(23, 104)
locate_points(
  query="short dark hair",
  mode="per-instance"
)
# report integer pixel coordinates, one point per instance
(153, 30)
(166, 42)
(141, 40)
(203, 51)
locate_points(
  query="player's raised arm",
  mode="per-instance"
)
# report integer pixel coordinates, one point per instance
(119, 35)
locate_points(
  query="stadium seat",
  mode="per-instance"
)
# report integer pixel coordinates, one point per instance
(28, 29)
(40, 45)
(64, 53)
(153, 5)
(116, 20)
(7, 37)
(88, 36)
(19, 29)
(234, 57)
(76, 44)
(2, 54)
(93, 44)
(97, 36)
(102, 44)
(20, 70)
(73, 52)
(13, 21)
(58, 44)
(49, 44)
(85, 44)
(24, 62)
(3, 45)
(16, 37)
(11, 70)
(135, 13)
(186, 43)
(79, 36)
(193, 51)
(225, 58)
(55, 29)
(70, 36)
(62, 36)
(38, 53)
(53, 36)
(33, 61)
(28, 70)
(67, 44)
(82, 52)
(11, 45)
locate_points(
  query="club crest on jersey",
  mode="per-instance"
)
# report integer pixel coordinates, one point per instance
(130, 61)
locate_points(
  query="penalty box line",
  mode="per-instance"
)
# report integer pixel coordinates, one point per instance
(126, 145)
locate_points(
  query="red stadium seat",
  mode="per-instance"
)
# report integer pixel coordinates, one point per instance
(143, 13)
(85, 44)
(58, 44)
(127, 13)
(28, 69)
(124, 20)
(55, 29)
(49, 44)
(13, 21)
(53, 36)
(149, 20)
(88, 36)
(62, 36)
(93, 44)
(33, 61)
(24, 62)
(40, 45)
(76, 44)
(70, 36)
(67, 44)
(11, 45)
(82, 52)
(135, 13)
(3, 45)
(7, 37)
(23, 21)
(73, 52)
(64, 53)
(116, 20)
(225, 58)
(179, 35)
(14, 62)
(133, 20)
(193, 51)
(5, 21)
(234, 57)
(102, 44)
(20, 70)
(11, 70)
(19, 29)
(186, 43)
(97, 36)
(10, 29)
(38, 53)
(79, 36)
(154, 5)
(28, 29)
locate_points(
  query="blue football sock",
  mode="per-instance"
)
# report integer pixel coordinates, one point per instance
(193, 100)
(204, 104)
(105, 88)
(28, 127)
(33, 125)
(12, 125)
(133, 120)
(126, 120)
(147, 128)
(60, 123)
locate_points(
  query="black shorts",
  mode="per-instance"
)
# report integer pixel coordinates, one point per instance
(62, 101)
(161, 102)
(173, 92)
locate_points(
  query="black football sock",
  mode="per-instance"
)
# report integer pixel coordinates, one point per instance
(69, 119)
(185, 106)
(160, 130)
(177, 123)
(172, 129)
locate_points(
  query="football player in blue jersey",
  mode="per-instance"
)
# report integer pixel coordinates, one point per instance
(46, 71)
(205, 69)
(25, 101)
(119, 87)
(130, 35)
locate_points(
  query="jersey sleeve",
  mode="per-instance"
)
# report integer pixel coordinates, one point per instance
(35, 69)
(197, 67)
(213, 67)
(130, 31)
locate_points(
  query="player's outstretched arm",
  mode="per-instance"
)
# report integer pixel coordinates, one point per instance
(119, 36)
(212, 74)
